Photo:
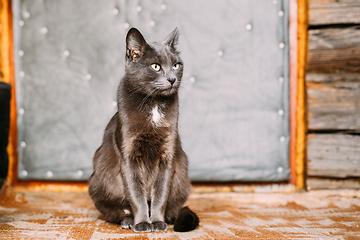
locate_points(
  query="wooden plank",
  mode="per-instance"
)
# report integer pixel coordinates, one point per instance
(7, 71)
(332, 77)
(333, 155)
(326, 183)
(298, 48)
(333, 105)
(333, 101)
(324, 12)
(297, 91)
(331, 50)
(346, 59)
(334, 38)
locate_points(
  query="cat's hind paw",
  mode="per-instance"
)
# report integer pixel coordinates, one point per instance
(127, 223)
(142, 227)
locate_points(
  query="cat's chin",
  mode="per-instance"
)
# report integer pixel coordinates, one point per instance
(169, 91)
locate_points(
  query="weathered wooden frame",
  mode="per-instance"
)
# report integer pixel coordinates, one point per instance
(298, 49)
(332, 89)
(298, 125)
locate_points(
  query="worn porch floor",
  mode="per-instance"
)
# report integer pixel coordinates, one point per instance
(307, 215)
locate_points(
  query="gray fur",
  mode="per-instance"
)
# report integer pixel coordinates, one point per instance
(140, 175)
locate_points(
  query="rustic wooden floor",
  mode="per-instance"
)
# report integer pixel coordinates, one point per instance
(308, 215)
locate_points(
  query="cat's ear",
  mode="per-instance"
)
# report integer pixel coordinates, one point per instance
(135, 44)
(173, 38)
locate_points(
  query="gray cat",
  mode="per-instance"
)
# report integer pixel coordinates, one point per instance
(140, 177)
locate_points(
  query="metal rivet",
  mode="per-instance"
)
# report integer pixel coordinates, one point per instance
(138, 8)
(49, 174)
(282, 139)
(281, 45)
(88, 76)
(114, 103)
(24, 173)
(21, 53)
(281, 13)
(192, 79)
(281, 112)
(115, 11)
(152, 23)
(281, 79)
(23, 144)
(280, 169)
(66, 53)
(21, 111)
(79, 173)
(44, 30)
(220, 53)
(26, 14)
(248, 26)
(126, 25)
(163, 6)
(21, 74)
(21, 23)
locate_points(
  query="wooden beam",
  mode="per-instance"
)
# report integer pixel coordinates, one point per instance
(324, 12)
(332, 77)
(345, 59)
(334, 38)
(327, 183)
(297, 96)
(333, 101)
(51, 186)
(332, 50)
(333, 155)
(8, 76)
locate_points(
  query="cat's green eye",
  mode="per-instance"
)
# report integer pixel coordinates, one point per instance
(176, 66)
(156, 67)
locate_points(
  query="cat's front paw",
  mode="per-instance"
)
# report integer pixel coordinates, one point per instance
(142, 227)
(159, 226)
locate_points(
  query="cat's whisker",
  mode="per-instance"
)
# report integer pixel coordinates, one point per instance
(145, 98)
(137, 89)
(187, 94)
(185, 88)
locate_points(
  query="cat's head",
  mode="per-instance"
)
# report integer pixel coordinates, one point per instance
(153, 68)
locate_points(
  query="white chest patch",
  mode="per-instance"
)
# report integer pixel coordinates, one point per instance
(157, 116)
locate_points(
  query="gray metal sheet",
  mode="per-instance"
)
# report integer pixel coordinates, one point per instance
(234, 116)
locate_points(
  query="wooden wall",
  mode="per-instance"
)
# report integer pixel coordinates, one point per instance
(333, 94)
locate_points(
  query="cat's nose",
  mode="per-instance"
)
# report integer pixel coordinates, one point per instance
(172, 80)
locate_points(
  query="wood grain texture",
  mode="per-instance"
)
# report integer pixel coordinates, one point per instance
(327, 183)
(333, 94)
(333, 155)
(298, 36)
(323, 12)
(332, 77)
(334, 49)
(334, 105)
(300, 91)
(334, 38)
(314, 215)
(7, 75)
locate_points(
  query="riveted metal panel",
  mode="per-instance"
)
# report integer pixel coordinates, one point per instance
(234, 115)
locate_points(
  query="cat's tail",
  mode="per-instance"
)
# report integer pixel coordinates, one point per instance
(186, 221)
